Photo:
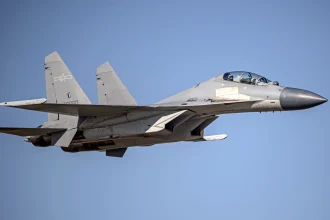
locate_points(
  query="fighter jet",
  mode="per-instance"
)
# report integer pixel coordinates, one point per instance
(117, 122)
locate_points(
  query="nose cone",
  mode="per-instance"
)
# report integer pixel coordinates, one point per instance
(297, 99)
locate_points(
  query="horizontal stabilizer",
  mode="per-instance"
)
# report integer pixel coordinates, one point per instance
(30, 131)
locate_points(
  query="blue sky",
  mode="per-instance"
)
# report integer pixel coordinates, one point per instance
(271, 166)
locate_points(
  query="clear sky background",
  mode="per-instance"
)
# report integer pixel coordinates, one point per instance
(272, 165)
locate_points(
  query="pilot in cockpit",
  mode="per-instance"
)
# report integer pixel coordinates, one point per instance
(247, 78)
(261, 81)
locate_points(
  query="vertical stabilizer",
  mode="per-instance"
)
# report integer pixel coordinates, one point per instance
(111, 90)
(61, 85)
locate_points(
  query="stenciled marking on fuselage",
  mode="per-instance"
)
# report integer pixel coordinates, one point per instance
(63, 78)
(230, 94)
(71, 102)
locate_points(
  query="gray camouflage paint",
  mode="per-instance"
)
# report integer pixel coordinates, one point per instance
(117, 122)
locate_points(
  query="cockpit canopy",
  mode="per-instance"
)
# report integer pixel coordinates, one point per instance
(247, 78)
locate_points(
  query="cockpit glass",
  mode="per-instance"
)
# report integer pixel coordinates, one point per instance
(232, 76)
(246, 78)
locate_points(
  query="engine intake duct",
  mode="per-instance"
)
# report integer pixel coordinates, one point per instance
(198, 131)
(186, 114)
